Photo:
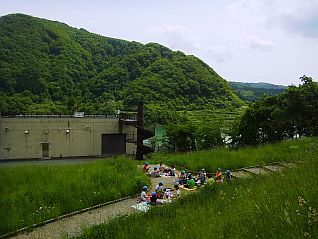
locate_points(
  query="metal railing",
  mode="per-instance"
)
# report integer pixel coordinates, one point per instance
(108, 116)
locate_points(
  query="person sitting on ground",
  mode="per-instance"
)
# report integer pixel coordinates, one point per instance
(218, 176)
(155, 172)
(178, 191)
(143, 196)
(190, 182)
(146, 167)
(162, 167)
(171, 171)
(201, 177)
(182, 178)
(228, 175)
(168, 194)
(159, 189)
(153, 199)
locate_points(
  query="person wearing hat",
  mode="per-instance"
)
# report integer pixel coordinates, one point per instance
(155, 172)
(218, 176)
(159, 189)
(228, 175)
(146, 167)
(202, 176)
(153, 199)
(182, 178)
(143, 195)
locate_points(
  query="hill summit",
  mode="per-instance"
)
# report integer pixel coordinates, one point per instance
(50, 67)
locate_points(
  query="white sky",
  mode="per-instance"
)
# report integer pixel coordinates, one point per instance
(273, 41)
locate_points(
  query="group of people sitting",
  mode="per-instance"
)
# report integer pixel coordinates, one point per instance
(200, 179)
(161, 195)
(188, 181)
(162, 170)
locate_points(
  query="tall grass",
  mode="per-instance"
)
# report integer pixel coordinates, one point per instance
(285, 151)
(33, 193)
(282, 205)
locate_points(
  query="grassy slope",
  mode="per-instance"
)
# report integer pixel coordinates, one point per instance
(33, 193)
(283, 205)
(232, 159)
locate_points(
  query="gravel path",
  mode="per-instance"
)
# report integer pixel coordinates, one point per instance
(74, 225)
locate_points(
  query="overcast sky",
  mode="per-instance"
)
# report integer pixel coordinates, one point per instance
(273, 41)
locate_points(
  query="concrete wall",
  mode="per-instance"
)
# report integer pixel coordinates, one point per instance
(67, 137)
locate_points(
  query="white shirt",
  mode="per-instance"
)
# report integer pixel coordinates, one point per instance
(143, 196)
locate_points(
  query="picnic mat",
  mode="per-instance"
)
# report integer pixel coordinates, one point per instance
(164, 176)
(143, 206)
(188, 189)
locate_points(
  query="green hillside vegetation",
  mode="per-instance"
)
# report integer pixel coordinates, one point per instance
(221, 117)
(279, 205)
(48, 67)
(293, 113)
(33, 193)
(253, 91)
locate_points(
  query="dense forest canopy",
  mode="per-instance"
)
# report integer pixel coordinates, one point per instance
(51, 68)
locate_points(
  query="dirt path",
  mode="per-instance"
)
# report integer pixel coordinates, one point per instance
(74, 225)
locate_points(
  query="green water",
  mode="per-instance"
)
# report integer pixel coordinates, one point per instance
(159, 132)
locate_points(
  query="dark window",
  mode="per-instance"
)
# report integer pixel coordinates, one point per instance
(45, 150)
(113, 144)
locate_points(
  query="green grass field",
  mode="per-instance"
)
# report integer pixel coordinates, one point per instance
(286, 151)
(281, 205)
(33, 193)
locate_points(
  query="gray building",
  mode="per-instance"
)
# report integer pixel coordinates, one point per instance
(26, 137)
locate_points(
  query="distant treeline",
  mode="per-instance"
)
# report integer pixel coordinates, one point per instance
(253, 91)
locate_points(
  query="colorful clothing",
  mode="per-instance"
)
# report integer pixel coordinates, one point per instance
(219, 177)
(143, 196)
(145, 168)
(190, 183)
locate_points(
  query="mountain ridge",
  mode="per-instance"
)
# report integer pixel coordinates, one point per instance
(250, 92)
(49, 67)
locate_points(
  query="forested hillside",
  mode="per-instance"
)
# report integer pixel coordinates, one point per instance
(253, 91)
(49, 67)
(291, 114)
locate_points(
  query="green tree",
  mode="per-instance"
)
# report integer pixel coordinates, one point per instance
(290, 114)
(180, 138)
(208, 136)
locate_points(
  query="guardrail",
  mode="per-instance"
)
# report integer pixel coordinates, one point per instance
(108, 116)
